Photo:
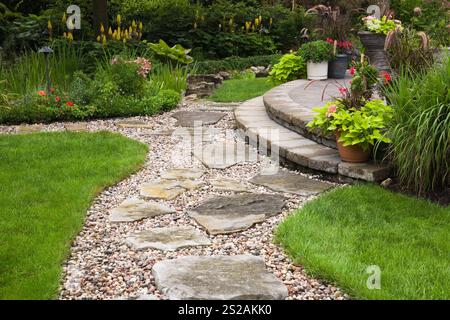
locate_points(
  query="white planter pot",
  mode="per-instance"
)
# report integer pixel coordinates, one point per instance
(317, 71)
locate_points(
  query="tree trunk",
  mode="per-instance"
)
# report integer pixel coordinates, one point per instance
(100, 9)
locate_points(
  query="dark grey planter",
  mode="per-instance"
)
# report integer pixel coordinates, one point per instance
(338, 67)
(374, 44)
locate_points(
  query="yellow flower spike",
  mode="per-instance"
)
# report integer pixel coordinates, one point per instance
(104, 40)
(70, 36)
(99, 38)
(119, 31)
(65, 34)
(133, 24)
(271, 21)
(124, 40)
(102, 28)
(260, 19)
(64, 18)
(110, 32)
(119, 19)
(49, 25)
(141, 25)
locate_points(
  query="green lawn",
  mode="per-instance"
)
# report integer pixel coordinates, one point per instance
(236, 90)
(47, 182)
(337, 236)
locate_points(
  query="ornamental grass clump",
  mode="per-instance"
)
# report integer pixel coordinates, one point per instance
(420, 128)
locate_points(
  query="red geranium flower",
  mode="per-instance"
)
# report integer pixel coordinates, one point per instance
(69, 104)
(58, 99)
(42, 93)
(386, 76)
(329, 40)
(352, 71)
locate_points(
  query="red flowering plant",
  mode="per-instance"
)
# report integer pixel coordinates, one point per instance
(340, 46)
(60, 105)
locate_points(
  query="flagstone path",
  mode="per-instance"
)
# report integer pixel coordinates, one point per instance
(190, 225)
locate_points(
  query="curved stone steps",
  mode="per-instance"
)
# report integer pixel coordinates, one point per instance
(259, 129)
(291, 106)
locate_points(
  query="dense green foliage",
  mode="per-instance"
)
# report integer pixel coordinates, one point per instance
(364, 126)
(290, 67)
(48, 181)
(117, 88)
(316, 51)
(342, 233)
(235, 63)
(420, 130)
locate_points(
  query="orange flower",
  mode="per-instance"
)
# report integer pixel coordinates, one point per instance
(42, 93)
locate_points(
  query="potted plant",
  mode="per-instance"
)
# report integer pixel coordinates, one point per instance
(337, 67)
(373, 38)
(316, 54)
(357, 121)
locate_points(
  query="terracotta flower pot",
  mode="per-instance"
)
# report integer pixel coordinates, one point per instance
(355, 154)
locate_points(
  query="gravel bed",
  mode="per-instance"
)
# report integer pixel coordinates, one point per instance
(101, 266)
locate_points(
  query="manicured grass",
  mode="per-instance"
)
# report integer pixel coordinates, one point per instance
(337, 236)
(47, 182)
(236, 90)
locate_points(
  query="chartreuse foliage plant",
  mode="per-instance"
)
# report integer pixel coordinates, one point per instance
(290, 67)
(48, 181)
(381, 26)
(317, 51)
(364, 127)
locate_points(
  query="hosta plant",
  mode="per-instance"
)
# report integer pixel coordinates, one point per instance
(176, 54)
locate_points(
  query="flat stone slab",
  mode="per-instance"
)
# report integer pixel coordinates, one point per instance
(183, 174)
(197, 118)
(76, 127)
(291, 183)
(135, 209)
(366, 171)
(228, 185)
(134, 124)
(168, 189)
(167, 239)
(195, 135)
(222, 155)
(30, 128)
(242, 277)
(223, 215)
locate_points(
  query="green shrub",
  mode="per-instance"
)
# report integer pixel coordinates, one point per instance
(316, 51)
(420, 131)
(235, 63)
(290, 67)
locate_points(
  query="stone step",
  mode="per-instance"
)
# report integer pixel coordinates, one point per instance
(259, 129)
(291, 106)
